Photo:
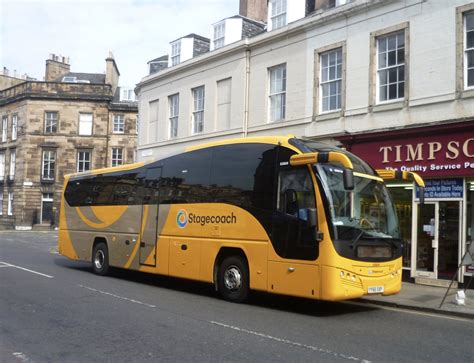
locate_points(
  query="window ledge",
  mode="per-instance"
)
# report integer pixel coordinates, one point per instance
(47, 181)
(329, 116)
(397, 105)
(468, 93)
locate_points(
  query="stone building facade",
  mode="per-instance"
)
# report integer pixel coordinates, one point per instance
(69, 123)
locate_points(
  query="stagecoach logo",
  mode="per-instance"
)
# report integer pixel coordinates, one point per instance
(182, 218)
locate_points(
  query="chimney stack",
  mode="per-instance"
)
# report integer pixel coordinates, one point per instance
(56, 66)
(254, 9)
(112, 73)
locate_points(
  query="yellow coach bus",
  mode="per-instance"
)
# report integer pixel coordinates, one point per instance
(277, 214)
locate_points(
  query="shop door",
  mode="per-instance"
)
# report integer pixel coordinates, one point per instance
(437, 236)
(449, 232)
(426, 238)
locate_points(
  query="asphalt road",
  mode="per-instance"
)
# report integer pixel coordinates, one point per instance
(56, 310)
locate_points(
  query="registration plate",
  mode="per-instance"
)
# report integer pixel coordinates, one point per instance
(375, 289)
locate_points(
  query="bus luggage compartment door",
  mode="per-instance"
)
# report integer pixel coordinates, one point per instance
(294, 279)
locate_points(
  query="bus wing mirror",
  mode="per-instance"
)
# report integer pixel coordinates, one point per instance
(348, 178)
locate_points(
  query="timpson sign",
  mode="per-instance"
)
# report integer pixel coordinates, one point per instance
(445, 155)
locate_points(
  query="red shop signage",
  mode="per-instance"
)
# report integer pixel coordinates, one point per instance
(429, 152)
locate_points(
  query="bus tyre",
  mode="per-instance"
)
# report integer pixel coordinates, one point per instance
(233, 279)
(100, 259)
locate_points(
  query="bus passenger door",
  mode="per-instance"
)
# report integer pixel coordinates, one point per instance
(293, 270)
(148, 231)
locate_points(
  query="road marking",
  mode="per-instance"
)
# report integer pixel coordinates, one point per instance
(289, 342)
(441, 315)
(117, 296)
(5, 264)
(21, 356)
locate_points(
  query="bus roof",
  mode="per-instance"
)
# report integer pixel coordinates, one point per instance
(275, 140)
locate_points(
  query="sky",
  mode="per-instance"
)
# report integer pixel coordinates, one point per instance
(135, 31)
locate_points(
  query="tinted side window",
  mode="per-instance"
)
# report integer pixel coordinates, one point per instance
(185, 177)
(126, 189)
(122, 188)
(151, 187)
(102, 190)
(77, 192)
(243, 175)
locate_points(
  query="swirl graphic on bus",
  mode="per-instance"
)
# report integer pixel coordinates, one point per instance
(182, 218)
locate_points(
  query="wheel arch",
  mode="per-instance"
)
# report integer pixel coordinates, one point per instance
(97, 240)
(225, 252)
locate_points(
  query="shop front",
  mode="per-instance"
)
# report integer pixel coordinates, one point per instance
(436, 233)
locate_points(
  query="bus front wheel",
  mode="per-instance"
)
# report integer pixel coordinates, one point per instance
(100, 259)
(233, 279)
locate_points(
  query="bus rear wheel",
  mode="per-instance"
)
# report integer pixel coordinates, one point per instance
(233, 279)
(100, 259)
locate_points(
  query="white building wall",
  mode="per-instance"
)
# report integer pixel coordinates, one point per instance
(187, 47)
(233, 31)
(172, 81)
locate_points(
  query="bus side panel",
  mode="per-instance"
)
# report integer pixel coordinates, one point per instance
(162, 258)
(117, 224)
(65, 245)
(198, 231)
(184, 257)
(297, 279)
(256, 253)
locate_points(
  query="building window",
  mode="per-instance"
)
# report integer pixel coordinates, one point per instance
(277, 92)
(2, 166)
(469, 50)
(331, 80)
(119, 124)
(14, 127)
(12, 164)
(153, 109)
(198, 113)
(127, 94)
(117, 156)
(391, 67)
(219, 35)
(175, 52)
(4, 128)
(85, 124)
(68, 79)
(49, 165)
(174, 115)
(278, 13)
(50, 122)
(10, 203)
(83, 160)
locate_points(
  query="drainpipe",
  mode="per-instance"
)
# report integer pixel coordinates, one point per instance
(246, 91)
(107, 132)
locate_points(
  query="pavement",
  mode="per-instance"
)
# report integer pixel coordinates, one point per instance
(428, 299)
